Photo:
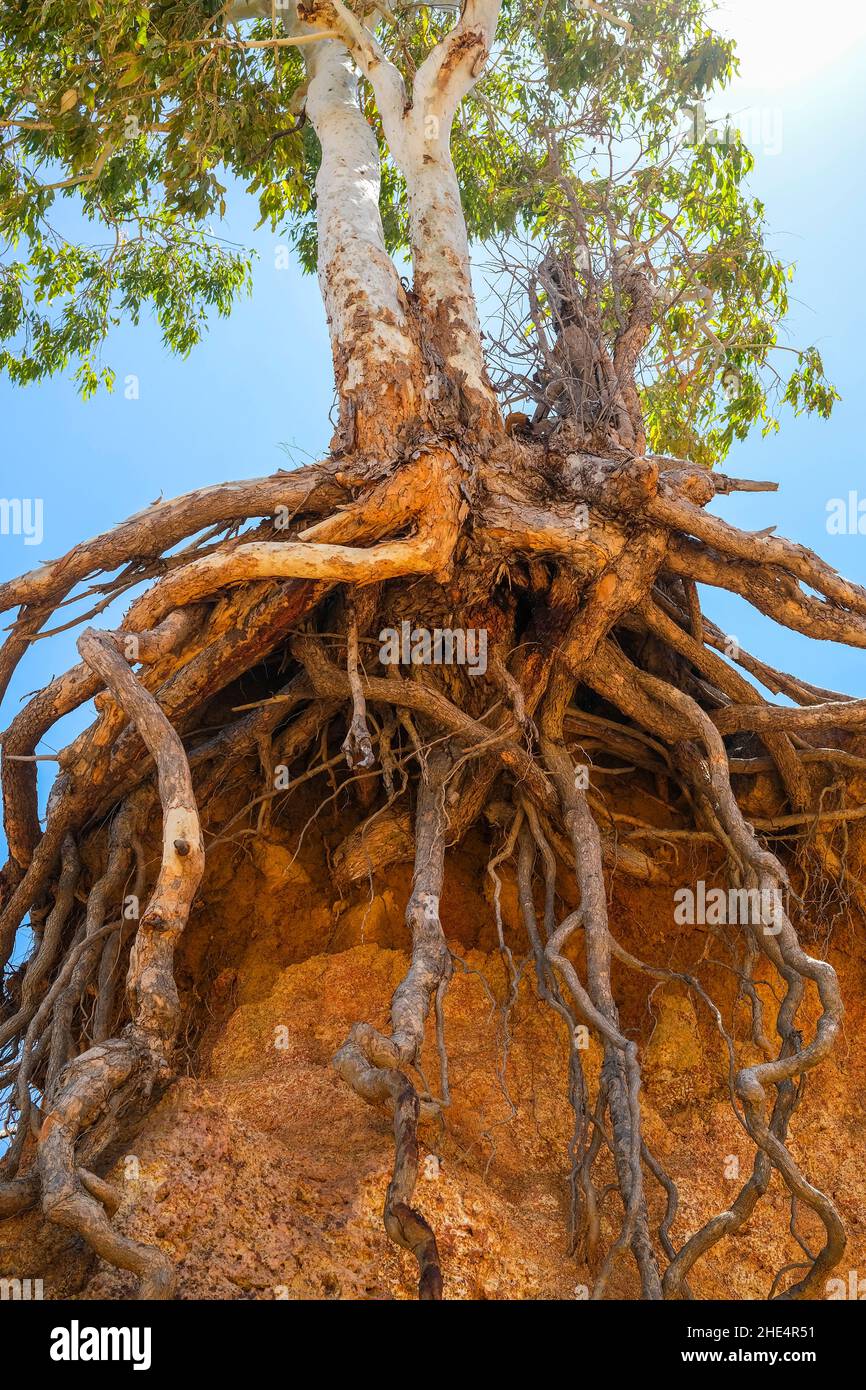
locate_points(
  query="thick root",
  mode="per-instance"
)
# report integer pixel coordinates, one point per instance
(610, 606)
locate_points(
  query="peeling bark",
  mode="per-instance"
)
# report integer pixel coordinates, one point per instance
(377, 383)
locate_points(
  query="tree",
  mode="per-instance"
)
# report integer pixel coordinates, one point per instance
(640, 313)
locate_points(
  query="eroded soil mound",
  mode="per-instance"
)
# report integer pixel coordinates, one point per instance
(264, 1176)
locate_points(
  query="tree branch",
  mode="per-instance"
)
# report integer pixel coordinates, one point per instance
(383, 75)
(450, 72)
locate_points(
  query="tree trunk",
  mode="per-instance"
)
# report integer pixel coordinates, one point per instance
(580, 569)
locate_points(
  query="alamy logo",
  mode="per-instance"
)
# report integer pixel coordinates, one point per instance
(761, 126)
(854, 1288)
(77, 1343)
(441, 647)
(846, 516)
(21, 1290)
(22, 516)
(720, 907)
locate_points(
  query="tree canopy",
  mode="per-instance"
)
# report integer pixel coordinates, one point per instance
(125, 125)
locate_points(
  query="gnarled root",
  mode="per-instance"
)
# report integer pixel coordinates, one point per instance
(124, 1069)
(595, 1004)
(92, 1086)
(638, 691)
(372, 1064)
(611, 607)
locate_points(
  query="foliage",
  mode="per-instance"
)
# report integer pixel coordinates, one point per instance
(123, 124)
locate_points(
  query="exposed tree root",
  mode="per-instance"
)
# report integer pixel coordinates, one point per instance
(372, 1064)
(610, 609)
(84, 1090)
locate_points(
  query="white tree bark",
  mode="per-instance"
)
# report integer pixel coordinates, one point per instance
(377, 361)
(384, 375)
(418, 131)
(440, 256)
(440, 244)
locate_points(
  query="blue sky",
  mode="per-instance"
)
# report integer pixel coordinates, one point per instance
(256, 395)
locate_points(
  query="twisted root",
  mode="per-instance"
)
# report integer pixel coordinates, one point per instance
(612, 608)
